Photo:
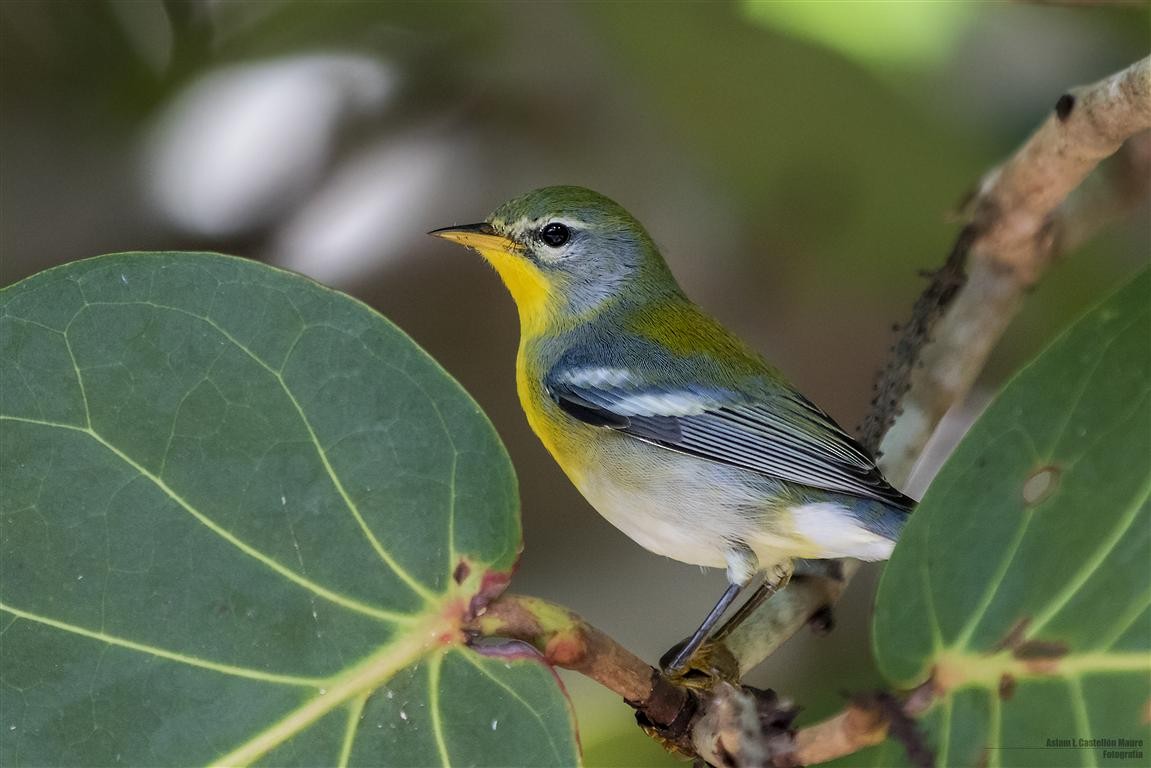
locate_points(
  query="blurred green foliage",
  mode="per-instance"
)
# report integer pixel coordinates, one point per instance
(879, 35)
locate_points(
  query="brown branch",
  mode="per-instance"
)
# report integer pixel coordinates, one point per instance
(854, 728)
(1119, 188)
(1011, 228)
(565, 640)
(868, 720)
(730, 713)
(667, 709)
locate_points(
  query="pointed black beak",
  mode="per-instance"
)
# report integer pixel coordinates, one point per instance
(478, 236)
(483, 228)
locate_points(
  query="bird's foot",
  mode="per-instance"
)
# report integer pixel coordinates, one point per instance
(781, 575)
(678, 658)
(691, 655)
(710, 663)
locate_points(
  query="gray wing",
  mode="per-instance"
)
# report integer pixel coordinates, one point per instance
(782, 435)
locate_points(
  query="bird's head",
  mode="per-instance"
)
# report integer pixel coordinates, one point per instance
(565, 251)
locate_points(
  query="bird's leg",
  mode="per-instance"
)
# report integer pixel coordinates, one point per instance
(779, 578)
(684, 654)
(742, 565)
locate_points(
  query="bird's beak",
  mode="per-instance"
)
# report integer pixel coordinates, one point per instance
(478, 236)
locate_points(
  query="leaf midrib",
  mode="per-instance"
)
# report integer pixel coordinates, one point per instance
(357, 681)
(955, 670)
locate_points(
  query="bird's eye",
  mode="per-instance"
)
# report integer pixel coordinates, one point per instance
(555, 234)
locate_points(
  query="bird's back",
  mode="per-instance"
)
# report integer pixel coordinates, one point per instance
(665, 372)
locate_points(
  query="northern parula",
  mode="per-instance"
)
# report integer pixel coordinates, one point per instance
(670, 426)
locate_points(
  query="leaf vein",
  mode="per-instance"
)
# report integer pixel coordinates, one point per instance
(992, 587)
(182, 658)
(355, 712)
(467, 655)
(994, 728)
(434, 708)
(337, 483)
(1125, 623)
(1082, 723)
(1092, 564)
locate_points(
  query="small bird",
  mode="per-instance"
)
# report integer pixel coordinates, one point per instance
(672, 428)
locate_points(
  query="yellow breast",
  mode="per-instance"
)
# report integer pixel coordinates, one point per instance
(568, 441)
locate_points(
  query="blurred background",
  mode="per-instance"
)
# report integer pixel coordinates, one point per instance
(798, 163)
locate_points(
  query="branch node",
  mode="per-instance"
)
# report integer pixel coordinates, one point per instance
(742, 726)
(1064, 106)
(902, 728)
(667, 714)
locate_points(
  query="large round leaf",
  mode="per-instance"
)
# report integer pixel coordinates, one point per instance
(243, 517)
(1022, 585)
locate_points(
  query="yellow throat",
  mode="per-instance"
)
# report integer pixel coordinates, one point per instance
(529, 287)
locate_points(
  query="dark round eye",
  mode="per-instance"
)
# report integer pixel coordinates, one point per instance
(555, 234)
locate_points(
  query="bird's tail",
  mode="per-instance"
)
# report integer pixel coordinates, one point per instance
(849, 526)
(882, 518)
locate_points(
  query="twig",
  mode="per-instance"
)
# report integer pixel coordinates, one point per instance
(1012, 242)
(731, 713)
(856, 727)
(1120, 187)
(569, 642)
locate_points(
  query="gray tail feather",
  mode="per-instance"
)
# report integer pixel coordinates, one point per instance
(884, 519)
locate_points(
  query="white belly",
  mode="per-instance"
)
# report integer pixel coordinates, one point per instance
(689, 509)
(663, 521)
(699, 512)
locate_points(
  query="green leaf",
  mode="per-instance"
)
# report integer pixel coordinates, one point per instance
(243, 517)
(1021, 587)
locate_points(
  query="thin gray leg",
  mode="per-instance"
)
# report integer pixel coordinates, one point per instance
(768, 588)
(685, 653)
